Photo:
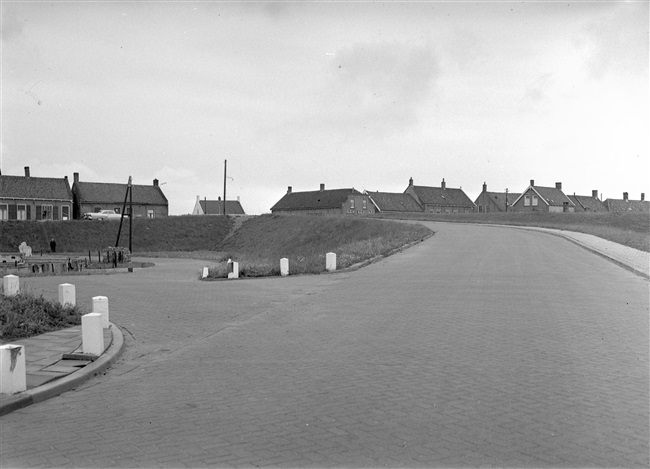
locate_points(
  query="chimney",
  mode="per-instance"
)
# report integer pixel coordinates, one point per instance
(443, 185)
(558, 185)
(532, 182)
(624, 195)
(289, 189)
(26, 171)
(484, 187)
(322, 187)
(76, 177)
(594, 193)
(642, 196)
(410, 182)
(155, 182)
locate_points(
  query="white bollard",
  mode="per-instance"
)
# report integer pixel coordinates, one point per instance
(284, 266)
(330, 261)
(11, 285)
(13, 374)
(205, 272)
(67, 295)
(233, 270)
(100, 305)
(92, 334)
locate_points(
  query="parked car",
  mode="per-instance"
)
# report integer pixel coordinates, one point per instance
(102, 215)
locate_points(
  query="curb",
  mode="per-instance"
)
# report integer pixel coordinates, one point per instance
(71, 381)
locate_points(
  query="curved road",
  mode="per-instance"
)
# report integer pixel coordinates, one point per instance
(481, 346)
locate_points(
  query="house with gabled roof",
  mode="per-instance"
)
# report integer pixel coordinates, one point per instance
(488, 202)
(627, 205)
(148, 201)
(215, 207)
(585, 203)
(543, 199)
(35, 198)
(389, 202)
(441, 199)
(324, 202)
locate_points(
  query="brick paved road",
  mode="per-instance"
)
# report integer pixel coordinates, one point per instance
(482, 346)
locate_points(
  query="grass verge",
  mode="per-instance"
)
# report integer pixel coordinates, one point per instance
(26, 315)
(260, 243)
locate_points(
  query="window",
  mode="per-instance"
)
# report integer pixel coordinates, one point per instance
(150, 213)
(117, 210)
(65, 212)
(21, 213)
(46, 212)
(4, 212)
(364, 204)
(526, 200)
(352, 203)
(534, 200)
(487, 208)
(480, 209)
(97, 209)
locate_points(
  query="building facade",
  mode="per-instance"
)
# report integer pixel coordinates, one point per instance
(148, 201)
(35, 198)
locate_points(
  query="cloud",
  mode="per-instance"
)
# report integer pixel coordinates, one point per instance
(618, 40)
(378, 87)
(12, 24)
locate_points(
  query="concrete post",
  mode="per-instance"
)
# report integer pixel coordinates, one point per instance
(205, 272)
(11, 285)
(100, 306)
(67, 295)
(284, 266)
(92, 334)
(330, 261)
(233, 270)
(13, 374)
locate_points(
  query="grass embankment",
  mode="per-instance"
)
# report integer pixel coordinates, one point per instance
(260, 243)
(630, 229)
(184, 233)
(26, 315)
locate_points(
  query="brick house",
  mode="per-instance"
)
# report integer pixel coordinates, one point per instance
(388, 202)
(148, 201)
(627, 205)
(543, 199)
(585, 203)
(441, 199)
(324, 202)
(215, 207)
(35, 198)
(488, 202)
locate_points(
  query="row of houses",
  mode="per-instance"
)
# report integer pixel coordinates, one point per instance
(445, 199)
(40, 198)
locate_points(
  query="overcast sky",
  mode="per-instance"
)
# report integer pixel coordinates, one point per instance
(348, 94)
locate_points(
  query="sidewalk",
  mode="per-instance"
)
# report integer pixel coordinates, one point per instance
(52, 369)
(49, 375)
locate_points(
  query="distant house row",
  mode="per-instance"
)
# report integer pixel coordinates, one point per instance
(38, 198)
(445, 199)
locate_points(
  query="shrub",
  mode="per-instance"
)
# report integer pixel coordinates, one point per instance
(26, 315)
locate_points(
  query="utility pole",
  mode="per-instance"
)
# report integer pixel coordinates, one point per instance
(225, 165)
(506, 199)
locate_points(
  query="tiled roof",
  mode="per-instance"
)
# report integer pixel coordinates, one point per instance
(586, 203)
(392, 202)
(103, 192)
(440, 196)
(21, 187)
(215, 207)
(553, 196)
(620, 205)
(314, 200)
(499, 199)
